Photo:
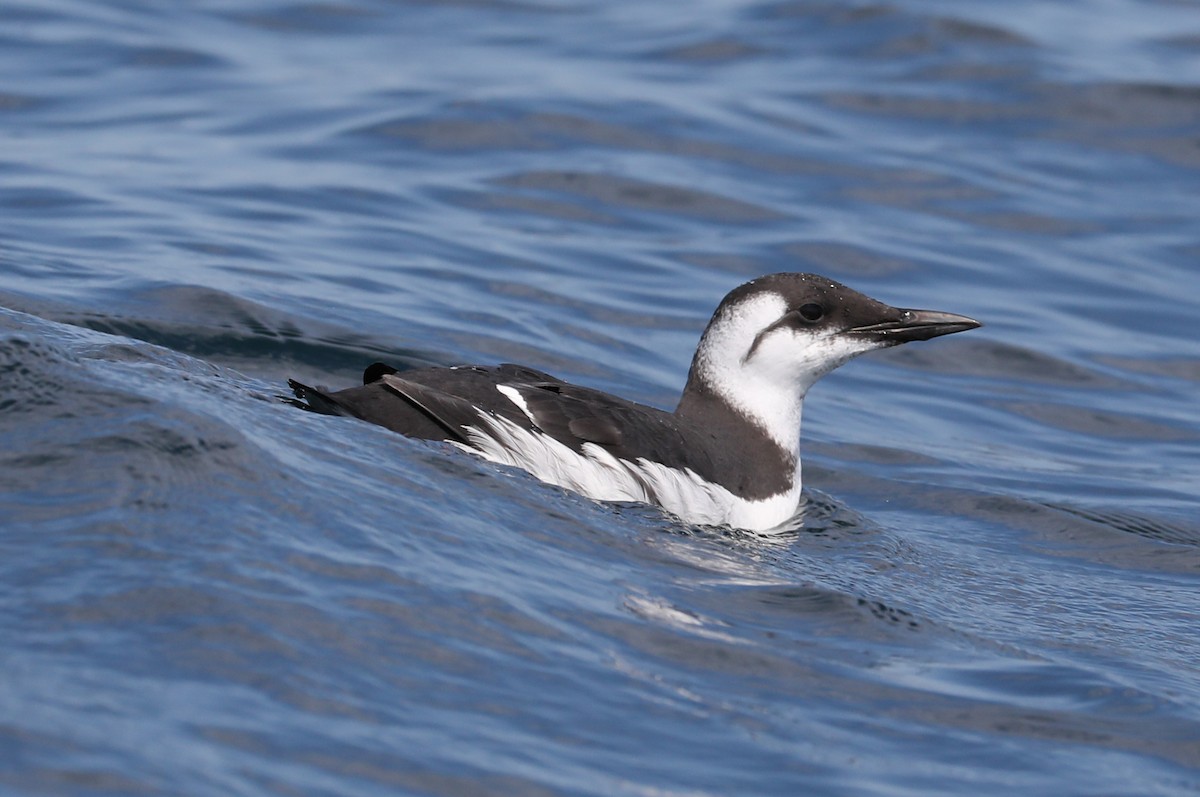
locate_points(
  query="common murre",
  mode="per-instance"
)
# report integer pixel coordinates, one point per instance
(728, 454)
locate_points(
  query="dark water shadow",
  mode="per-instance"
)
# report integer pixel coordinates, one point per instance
(234, 332)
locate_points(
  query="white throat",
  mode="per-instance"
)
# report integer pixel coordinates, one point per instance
(765, 387)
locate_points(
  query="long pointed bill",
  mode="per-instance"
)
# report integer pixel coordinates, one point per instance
(909, 325)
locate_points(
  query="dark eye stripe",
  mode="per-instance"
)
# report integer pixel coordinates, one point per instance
(792, 318)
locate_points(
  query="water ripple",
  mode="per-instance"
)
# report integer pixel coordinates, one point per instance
(991, 588)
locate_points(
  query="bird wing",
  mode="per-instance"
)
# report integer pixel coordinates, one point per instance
(447, 411)
(569, 414)
(445, 403)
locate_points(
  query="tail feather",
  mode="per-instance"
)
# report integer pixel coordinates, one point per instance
(315, 400)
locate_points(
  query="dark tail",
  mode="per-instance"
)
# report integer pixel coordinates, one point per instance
(314, 400)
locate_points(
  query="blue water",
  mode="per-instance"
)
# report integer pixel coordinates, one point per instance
(207, 592)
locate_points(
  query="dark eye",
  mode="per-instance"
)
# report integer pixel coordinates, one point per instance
(811, 311)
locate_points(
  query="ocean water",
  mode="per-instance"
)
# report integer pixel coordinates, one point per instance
(204, 591)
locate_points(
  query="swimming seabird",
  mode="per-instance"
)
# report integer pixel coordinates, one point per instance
(730, 451)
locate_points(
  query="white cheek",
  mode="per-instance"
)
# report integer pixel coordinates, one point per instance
(796, 359)
(767, 377)
(770, 382)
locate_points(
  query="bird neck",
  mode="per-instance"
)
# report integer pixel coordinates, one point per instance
(769, 412)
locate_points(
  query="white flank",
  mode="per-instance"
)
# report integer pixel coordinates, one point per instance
(601, 476)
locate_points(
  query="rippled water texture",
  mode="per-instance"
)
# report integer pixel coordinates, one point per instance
(207, 592)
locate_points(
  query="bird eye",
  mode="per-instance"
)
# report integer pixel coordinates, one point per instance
(811, 311)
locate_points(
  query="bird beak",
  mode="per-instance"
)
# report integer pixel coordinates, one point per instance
(910, 325)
